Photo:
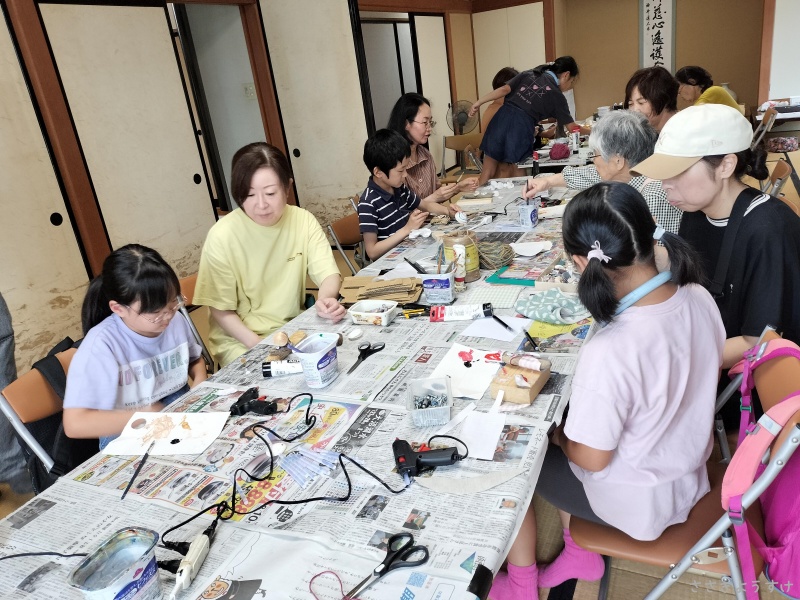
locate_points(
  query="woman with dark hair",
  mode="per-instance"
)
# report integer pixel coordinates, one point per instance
(529, 97)
(136, 355)
(646, 379)
(411, 118)
(255, 260)
(701, 157)
(697, 87)
(653, 91)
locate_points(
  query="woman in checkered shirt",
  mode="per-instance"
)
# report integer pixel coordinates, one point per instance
(620, 140)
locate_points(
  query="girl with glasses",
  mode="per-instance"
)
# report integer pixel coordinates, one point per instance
(135, 355)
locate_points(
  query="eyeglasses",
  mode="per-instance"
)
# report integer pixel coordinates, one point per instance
(429, 123)
(166, 314)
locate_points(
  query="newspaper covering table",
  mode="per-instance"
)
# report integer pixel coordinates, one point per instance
(467, 514)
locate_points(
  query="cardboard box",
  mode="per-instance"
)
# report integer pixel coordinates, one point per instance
(505, 380)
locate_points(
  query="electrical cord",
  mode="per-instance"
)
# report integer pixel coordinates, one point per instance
(459, 457)
(23, 554)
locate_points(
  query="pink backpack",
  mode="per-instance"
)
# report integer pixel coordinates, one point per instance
(780, 501)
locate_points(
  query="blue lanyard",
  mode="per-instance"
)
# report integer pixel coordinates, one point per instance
(640, 292)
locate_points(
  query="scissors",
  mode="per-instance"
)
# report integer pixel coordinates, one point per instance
(399, 552)
(366, 350)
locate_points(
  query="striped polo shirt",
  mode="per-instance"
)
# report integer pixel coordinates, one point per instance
(384, 213)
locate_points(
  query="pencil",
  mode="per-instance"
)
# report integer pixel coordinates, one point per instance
(139, 468)
(459, 177)
(503, 323)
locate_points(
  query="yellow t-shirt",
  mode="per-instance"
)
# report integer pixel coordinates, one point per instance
(260, 272)
(717, 95)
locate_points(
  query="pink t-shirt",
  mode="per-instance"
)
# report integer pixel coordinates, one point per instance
(645, 388)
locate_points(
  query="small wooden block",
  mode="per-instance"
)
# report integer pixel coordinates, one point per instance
(504, 380)
(277, 353)
(297, 337)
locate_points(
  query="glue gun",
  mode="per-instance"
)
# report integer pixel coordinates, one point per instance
(413, 463)
(190, 565)
(251, 402)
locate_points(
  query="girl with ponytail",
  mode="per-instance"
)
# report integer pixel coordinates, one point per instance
(135, 354)
(633, 448)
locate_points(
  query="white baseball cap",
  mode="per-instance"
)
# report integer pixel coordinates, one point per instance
(695, 132)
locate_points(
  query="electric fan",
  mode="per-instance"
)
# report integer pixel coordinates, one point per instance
(458, 117)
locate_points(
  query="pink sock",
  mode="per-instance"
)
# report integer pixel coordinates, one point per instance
(520, 583)
(573, 563)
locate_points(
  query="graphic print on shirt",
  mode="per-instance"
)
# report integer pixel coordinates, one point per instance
(147, 380)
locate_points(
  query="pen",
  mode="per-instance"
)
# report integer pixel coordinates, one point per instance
(503, 323)
(139, 468)
(417, 268)
(530, 339)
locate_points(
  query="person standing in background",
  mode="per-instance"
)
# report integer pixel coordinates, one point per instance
(12, 461)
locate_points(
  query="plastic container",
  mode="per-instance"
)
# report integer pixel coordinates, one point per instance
(124, 566)
(529, 215)
(317, 354)
(373, 312)
(429, 401)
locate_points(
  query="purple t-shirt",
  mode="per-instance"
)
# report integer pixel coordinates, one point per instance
(117, 368)
(644, 388)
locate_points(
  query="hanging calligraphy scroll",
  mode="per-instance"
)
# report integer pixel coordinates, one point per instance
(657, 34)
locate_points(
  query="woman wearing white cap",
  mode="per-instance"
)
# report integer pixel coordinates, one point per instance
(701, 156)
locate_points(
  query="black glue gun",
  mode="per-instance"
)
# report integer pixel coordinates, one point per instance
(250, 402)
(413, 463)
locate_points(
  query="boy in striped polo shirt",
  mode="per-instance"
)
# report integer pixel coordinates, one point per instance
(388, 210)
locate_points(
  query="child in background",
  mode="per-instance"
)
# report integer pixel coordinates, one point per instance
(388, 210)
(135, 355)
(632, 452)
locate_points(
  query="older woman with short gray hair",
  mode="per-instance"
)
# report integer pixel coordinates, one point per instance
(620, 140)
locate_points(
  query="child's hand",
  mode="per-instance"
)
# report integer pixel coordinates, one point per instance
(154, 407)
(470, 184)
(447, 191)
(416, 219)
(329, 308)
(454, 209)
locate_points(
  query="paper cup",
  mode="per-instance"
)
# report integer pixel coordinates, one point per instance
(603, 110)
(317, 355)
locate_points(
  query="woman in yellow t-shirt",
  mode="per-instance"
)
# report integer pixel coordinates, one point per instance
(255, 260)
(697, 87)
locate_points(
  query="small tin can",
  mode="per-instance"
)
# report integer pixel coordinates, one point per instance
(529, 215)
(123, 567)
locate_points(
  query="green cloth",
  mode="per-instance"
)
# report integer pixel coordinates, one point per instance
(552, 306)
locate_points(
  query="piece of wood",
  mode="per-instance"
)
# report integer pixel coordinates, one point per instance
(505, 380)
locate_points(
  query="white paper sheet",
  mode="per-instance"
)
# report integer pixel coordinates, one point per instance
(481, 432)
(531, 248)
(466, 382)
(194, 431)
(490, 328)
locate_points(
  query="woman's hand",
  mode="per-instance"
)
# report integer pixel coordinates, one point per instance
(329, 308)
(470, 184)
(536, 186)
(446, 191)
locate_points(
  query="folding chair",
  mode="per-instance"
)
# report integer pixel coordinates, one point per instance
(346, 232)
(767, 121)
(777, 179)
(33, 407)
(678, 547)
(459, 143)
(187, 290)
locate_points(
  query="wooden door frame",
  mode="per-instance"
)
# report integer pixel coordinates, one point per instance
(38, 64)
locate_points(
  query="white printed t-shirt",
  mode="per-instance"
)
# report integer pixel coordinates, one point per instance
(117, 368)
(644, 388)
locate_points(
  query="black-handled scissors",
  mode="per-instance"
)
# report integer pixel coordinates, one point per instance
(366, 350)
(400, 552)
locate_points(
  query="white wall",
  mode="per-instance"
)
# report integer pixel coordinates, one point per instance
(507, 37)
(384, 76)
(224, 65)
(784, 80)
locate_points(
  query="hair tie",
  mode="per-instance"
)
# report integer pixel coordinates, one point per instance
(597, 252)
(659, 232)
